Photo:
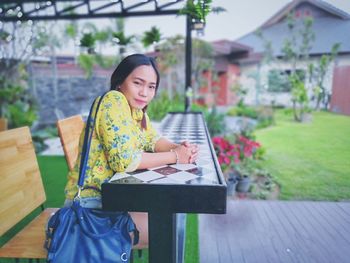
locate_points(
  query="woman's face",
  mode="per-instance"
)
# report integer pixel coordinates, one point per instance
(140, 86)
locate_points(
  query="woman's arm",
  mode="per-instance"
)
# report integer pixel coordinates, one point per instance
(180, 154)
(164, 145)
(149, 160)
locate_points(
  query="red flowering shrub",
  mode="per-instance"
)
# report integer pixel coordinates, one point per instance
(232, 154)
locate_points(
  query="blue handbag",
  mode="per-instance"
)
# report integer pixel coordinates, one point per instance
(85, 235)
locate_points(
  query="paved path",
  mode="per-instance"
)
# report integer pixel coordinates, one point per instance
(276, 231)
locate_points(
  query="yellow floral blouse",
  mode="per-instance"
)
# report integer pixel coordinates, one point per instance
(116, 146)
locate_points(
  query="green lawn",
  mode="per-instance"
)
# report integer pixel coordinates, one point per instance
(311, 161)
(53, 171)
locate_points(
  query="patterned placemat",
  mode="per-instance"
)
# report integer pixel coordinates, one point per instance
(178, 127)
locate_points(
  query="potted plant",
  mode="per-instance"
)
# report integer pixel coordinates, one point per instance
(235, 156)
(198, 11)
(232, 181)
(243, 178)
(151, 37)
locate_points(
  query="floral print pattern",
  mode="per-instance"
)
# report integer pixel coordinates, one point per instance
(116, 146)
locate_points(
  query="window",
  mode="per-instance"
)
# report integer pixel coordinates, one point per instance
(278, 80)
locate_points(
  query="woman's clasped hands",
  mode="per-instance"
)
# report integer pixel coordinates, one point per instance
(186, 152)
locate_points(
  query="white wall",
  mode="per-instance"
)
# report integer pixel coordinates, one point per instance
(250, 74)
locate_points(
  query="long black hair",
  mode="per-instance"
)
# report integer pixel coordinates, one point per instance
(124, 69)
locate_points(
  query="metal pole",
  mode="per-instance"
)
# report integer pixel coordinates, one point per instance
(188, 66)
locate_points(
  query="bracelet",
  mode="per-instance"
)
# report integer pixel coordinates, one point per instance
(177, 156)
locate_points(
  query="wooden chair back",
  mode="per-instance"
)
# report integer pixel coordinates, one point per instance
(3, 124)
(21, 186)
(69, 130)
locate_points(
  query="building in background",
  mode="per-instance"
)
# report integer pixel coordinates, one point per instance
(242, 60)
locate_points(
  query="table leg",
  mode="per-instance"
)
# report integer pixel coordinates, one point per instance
(162, 237)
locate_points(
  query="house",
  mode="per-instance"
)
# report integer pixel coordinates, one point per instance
(245, 55)
(227, 74)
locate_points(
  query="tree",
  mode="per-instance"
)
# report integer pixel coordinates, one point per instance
(295, 51)
(19, 41)
(318, 73)
(16, 47)
(46, 45)
(170, 54)
(202, 53)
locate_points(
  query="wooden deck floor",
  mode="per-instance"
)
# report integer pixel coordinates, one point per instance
(276, 231)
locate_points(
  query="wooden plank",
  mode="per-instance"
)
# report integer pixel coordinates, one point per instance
(310, 218)
(208, 241)
(305, 233)
(222, 238)
(266, 235)
(332, 237)
(292, 231)
(345, 207)
(276, 231)
(334, 214)
(320, 231)
(69, 131)
(232, 242)
(342, 211)
(29, 242)
(245, 232)
(287, 247)
(24, 187)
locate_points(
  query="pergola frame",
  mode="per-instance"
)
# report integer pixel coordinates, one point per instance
(15, 10)
(25, 10)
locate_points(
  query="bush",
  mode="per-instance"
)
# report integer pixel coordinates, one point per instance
(246, 111)
(40, 136)
(265, 117)
(201, 108)
(215, 122)
(243, 111)
(232, 112)
(16, 104)
(162, 104)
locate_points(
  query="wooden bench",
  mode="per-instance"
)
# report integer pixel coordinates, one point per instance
(69, 130)
(22, 191)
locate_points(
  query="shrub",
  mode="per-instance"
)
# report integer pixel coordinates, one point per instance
(236, 153)
(246, 111)
(201, 108)
(265, 117)
(162, 104)
(232, 111)
(215, 122)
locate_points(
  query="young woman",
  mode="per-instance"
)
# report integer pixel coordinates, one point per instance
(123, 139)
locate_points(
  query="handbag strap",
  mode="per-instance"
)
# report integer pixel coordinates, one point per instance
(89, 129)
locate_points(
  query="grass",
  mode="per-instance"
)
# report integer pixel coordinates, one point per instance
(53, 171)
(192, 246)
(310, 161)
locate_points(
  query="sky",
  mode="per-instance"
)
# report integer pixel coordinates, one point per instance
(241, 17)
